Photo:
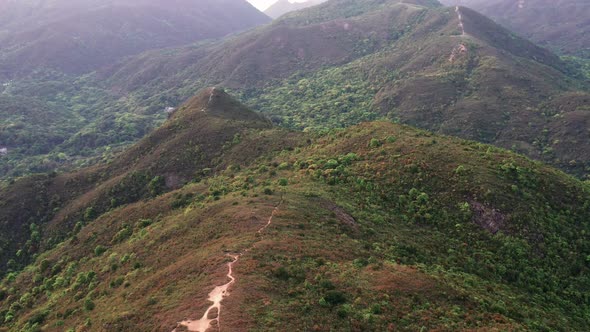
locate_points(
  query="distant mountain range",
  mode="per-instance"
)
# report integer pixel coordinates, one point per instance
(282, 7)
(77, 37)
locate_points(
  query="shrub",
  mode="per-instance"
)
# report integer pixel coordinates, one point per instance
(89, 305)
(283, 182)
(122, 235)
(99, 250)
(331, 164)
(38, 318)
(90, 214)
(117, 282)
(374, 143)
(143, 223)
(157, 185)
(334, 297)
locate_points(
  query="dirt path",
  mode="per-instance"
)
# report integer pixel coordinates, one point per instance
(461, 25)
(210, 99)
(212, 317)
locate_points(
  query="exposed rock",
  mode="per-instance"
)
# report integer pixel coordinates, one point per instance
(488, 218)
(341, 214)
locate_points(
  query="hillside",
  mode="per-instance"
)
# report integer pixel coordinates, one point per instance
(164, 159)
(282, 7)
(77, 37)
(561, 25)
(371, 228)
(333, 65)
(341, 62)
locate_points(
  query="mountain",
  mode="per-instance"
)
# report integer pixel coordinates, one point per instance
(374, 227)
(282, 7)
(450, 71)
(77, 37)
(166, 158)
(336, 64)
(562, 25)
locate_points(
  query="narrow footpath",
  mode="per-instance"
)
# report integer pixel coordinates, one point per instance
(212, 317)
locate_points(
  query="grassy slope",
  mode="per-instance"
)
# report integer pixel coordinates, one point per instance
(379, 227)
(191, 141)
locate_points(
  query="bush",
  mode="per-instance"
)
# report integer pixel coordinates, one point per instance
(90, 214)
(117, 282)
(283, 182)
(38, 318)
(89, 305)
(157, 185)
(122, 235)
(375, 143)
(334, 297)
(99, 250)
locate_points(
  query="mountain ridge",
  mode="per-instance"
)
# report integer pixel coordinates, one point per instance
(458, 75)
(282, 7)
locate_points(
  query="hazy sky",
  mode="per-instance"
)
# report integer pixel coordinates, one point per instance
(264, 4)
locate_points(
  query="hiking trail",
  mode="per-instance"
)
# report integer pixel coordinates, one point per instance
(212, 316)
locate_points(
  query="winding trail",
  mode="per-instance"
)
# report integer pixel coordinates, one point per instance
(460, 48)
(212, 317)
(210, 99)
(461, 25)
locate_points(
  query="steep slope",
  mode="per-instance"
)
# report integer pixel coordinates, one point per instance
(282, 7)
(75, 37)
(190, 144)
(372, 228)
(449, 70)
(562, 25)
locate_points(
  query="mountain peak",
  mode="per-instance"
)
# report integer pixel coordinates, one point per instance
(214, 101)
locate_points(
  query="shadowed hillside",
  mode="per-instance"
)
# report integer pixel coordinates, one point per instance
(561, 25)
(77, 37)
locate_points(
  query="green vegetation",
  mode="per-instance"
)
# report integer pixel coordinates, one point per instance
(378, 226)
(321, 78)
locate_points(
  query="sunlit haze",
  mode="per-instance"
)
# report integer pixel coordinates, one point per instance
(264, 4)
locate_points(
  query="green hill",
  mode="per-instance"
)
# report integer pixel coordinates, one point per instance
(333, 65)
(343, 62)
(374, 227)
(561, 25)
